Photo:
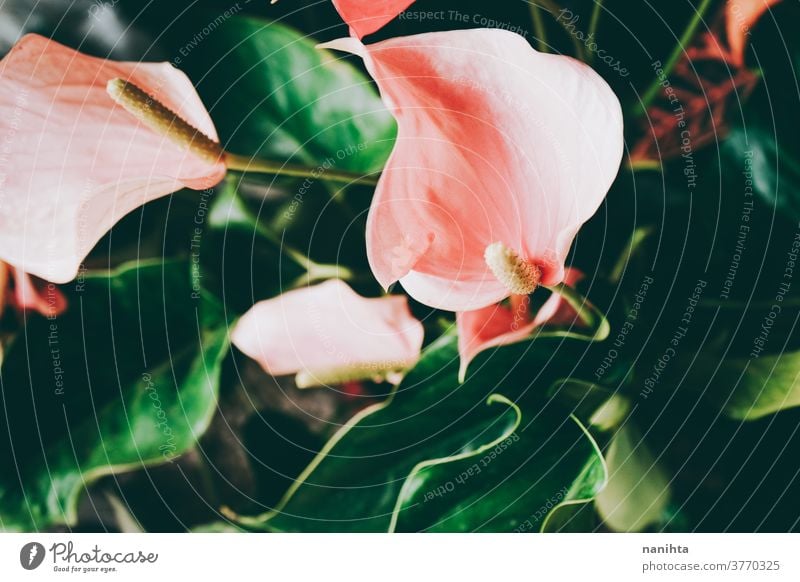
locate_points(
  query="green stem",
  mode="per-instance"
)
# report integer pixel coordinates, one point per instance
(555, 11)
(314, 271)
(538, 26)
(679, 49)
(255, 165)
(592, 317)
(595, 19)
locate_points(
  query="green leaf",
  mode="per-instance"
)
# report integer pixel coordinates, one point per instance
(764, 136)
(433, 420)
(637, 493)
(769, 161)
(509, 485)
(354, 482)
(592, 403)
(760, 386)
(274, 95)
(128, 377)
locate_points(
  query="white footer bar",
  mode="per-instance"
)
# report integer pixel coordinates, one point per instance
(388, 558)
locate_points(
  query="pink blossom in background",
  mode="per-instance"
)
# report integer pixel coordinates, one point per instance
(498, 325)
(366, 16)
(740, 18)
(328, 334)
(25, 293)
(78, 162)
(502, 154)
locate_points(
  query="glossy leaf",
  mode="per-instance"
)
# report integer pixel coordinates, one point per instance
(431, 420)
(637, 493)
(273, 94)
(761, 386)
(354, 483)
(128, 377)
(510, 485)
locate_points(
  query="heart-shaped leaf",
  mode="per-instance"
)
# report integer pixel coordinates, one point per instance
(371, 475)
(756, 387)
(274, 95)
(637, 493)
(127, 377)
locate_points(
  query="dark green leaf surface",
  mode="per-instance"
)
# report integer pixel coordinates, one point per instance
(355, 484)
(274, 95)
(637, 493)
(127, 377)
(512, 485)
(761, 386)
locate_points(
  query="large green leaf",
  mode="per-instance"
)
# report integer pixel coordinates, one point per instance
(760, 386)
(770, 162)
(128, 377)
(764, 141)
(509, 485)
(355, 481)
(637, 493)
(433, 420)
(273, 94)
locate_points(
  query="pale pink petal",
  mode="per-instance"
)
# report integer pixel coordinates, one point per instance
(740, 17)
(496, 143)
(77, 161)
(453, 295)
(328, 332)
(40, 296)
(366, 16)
(499, 325)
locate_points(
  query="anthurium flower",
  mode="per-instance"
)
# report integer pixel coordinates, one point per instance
(740, 17)
(75, 161)
(708, 101)
(499, 325)
(502, 154)
(366, 16)
(23, 293)
(328, 334)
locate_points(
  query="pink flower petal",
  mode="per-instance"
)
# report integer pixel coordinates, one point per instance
(740, 17)
(496, 143)
(329, 334)
(77, 161)
(499, 325)
(366, 16)
(40, 296)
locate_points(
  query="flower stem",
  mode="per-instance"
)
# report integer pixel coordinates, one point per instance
(164, 121)
(595, 19)
(246, 164)
(592, 317)
(554, 10)
(314, 271)
(538, 26)
(687, 35)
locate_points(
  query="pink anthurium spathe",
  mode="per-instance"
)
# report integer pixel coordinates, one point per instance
(25, 293)
(502, 154)
(328, 334)
(366, 16)
(77, 160)
(499, 325)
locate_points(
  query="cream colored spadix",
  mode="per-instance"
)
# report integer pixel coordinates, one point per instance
(518, 275)
(357, 372)
(163, 120)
